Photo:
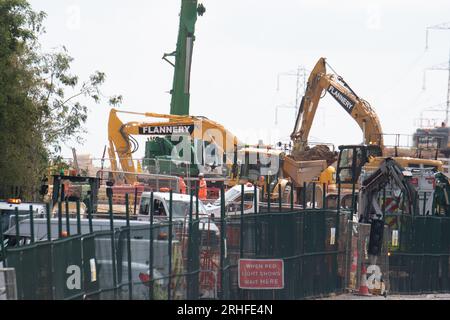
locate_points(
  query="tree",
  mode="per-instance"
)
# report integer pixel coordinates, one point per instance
(40, 99)
(22, 151)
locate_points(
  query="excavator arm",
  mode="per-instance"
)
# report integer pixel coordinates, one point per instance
(319, 83)
(122, 143)
(389, 173)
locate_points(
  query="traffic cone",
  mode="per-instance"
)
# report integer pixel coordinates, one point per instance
(353, 270)
(363, 288)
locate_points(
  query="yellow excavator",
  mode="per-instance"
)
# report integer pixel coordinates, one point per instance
(368, 155)
(167, 135)
(300, 167)
(320, 83)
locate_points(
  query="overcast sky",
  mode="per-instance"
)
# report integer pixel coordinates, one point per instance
(243, 45)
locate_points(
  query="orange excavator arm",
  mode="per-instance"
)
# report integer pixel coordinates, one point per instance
(121, 143)
(319, 83)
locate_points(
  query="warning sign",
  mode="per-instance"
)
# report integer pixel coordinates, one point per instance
(261, 274)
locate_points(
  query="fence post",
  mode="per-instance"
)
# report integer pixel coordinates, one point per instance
(241, 240)
(90, 213)
(150, 294)
(67, 218)
(135, 200)
(31, 224)
(169, 288)
(269, 205)
(78, 218)
(338, 200)
(60, 228)
(424, 203)
(190, 258)
(314, 196)
(256, 212)
(113, 247)
(130, 278)
(49, 227)
(196, 200)
(222, 239)
(2, 243)
(280, 203)
(255, 192)
(324, 194)
(60, 209)
(16, 213)
(353, 200)
(304, 196)
(292, 197)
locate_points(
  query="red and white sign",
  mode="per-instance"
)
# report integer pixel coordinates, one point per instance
(261, 274)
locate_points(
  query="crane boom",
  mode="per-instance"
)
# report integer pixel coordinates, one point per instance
(359, 109)
(179, 104)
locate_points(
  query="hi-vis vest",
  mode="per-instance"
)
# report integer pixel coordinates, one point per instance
(182, 185)
(202, 192)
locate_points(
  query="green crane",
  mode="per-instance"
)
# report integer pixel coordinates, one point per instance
(180, 92)
(158, 150)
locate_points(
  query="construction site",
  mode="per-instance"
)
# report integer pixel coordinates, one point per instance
(162, 203)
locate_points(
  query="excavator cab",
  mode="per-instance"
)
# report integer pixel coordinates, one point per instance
(351, 160)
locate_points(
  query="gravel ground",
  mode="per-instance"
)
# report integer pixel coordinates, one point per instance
(391, 297)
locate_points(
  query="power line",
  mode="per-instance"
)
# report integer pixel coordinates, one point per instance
(441, 26)
(442, 66)
(301, 76)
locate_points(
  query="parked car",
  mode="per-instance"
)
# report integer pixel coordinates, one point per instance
(233, 198)
(180, 210)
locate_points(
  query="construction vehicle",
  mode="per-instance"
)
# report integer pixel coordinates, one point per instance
(263, 166)
(389, 174)
(180, 92)
(390, 186)
(392, 175)
(73, 189)
(368, 155)
(183, 145)
(313, 167)
(306, 165)
(359, 109)
(357, 161)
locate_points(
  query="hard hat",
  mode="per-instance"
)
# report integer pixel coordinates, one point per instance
(201, 174)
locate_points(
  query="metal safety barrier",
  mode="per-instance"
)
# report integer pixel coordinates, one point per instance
(197, 256)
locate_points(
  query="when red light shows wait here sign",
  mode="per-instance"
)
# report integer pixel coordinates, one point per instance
(261, 274)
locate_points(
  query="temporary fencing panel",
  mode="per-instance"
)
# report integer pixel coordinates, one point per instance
(306, 241)
(361, 264)
(196, 257)
(419, 254)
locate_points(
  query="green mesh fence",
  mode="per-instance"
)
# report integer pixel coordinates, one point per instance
(419, 254)
(307, 241)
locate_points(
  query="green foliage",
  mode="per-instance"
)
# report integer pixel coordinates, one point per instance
(23, 155)
(63, 115)
(42, 103)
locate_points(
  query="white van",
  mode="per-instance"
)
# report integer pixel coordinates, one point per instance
(8, 211)
(180, 209)
(233, 198)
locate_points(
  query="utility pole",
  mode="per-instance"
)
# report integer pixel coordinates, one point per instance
(300, 74)
(441, 26)
(442, 66)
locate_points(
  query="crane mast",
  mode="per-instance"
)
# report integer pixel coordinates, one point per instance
(180, 92)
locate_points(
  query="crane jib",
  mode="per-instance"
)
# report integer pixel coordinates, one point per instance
(166, 129)
(344, 100)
